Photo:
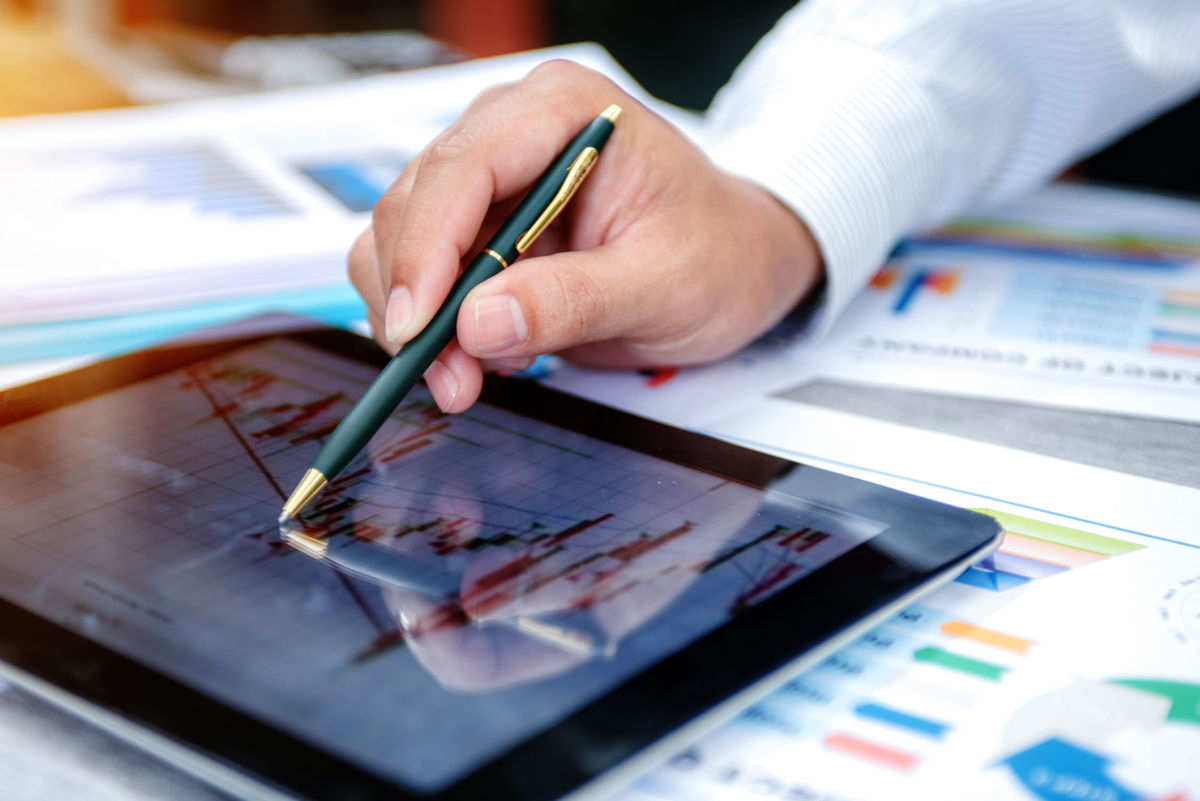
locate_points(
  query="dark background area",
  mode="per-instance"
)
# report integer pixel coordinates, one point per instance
(682, 51)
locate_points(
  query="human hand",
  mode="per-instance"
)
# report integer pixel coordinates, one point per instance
(661, 257)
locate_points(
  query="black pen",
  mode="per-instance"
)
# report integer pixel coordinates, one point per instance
(539, 208)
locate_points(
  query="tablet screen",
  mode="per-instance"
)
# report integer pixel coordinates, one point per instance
(479, 577)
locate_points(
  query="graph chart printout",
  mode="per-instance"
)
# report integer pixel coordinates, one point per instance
(533, 568)
(1052, 684)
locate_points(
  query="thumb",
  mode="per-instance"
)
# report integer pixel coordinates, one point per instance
(550, 303)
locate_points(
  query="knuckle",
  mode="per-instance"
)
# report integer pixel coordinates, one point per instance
(488, 96)
(582, 303)
(448, 148)
(387, 209)
(557, 70)
(360, 261)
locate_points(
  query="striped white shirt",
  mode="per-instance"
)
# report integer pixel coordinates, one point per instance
(871, 118)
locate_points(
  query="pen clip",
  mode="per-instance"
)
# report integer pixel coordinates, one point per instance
(579, 170)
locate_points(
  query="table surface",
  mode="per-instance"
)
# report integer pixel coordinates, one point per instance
(47, 753)
(39, 75)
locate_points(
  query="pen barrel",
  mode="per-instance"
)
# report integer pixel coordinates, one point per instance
(504, 241)
(407, 366)
(400, 374)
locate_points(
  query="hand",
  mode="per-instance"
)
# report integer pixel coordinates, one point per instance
(661, 257)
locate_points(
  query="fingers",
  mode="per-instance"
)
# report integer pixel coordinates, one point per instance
(426, 225)
(362, 265)
(454, 379)
(545, 304)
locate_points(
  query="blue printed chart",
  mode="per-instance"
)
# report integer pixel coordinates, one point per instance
(1075, 310)
(355, 180)
(195, 174)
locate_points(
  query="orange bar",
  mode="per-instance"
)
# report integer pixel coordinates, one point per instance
(996, 639)
(872, 752)
(1182, 297)
(1042, 551)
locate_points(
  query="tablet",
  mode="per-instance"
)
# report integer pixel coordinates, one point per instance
(527, 600)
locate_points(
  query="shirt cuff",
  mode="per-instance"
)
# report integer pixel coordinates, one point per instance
(841, 135)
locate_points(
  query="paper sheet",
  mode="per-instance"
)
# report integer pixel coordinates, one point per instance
(214, 209)
(1066, 667)
(1076, 297)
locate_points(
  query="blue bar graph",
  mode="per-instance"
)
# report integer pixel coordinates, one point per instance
(904, 720)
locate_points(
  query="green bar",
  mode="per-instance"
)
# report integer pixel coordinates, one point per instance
(1061, 535)
(973, 667)
(1182, 311)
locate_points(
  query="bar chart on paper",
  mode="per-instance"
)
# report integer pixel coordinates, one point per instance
(883, 707)
(1059, 301)
(160, 176)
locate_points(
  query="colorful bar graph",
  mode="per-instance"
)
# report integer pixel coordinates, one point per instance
(1034, 549)
(941, 281)
(888, 699)
(871, 752)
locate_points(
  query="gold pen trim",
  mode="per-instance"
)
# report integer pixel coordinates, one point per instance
(312, 483)
(612, 113)
(496, 256)
(579, 170)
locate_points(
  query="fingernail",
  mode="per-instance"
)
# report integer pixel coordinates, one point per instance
(443, 384)
(399, 310)
(499, 324)
(510, 363)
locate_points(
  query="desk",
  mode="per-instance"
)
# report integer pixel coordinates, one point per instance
(38, 74)
(77, 757)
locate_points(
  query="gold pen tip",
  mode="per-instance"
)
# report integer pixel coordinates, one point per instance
(312, 483)
(612, 113)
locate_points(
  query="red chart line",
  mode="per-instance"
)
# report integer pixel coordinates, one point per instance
(219, 410)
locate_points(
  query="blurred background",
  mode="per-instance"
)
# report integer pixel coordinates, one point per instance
(63, 55)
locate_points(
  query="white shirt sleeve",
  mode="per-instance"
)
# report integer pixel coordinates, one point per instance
(870, 118)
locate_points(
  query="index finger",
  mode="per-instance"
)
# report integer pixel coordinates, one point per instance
(491, 154)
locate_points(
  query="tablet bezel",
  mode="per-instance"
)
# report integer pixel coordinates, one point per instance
(589, 741)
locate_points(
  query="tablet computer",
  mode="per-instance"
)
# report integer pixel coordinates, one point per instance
(527, 600)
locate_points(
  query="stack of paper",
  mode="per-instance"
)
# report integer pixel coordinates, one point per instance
(133, 225)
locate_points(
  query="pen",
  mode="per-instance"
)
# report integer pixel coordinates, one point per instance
(539, 208)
